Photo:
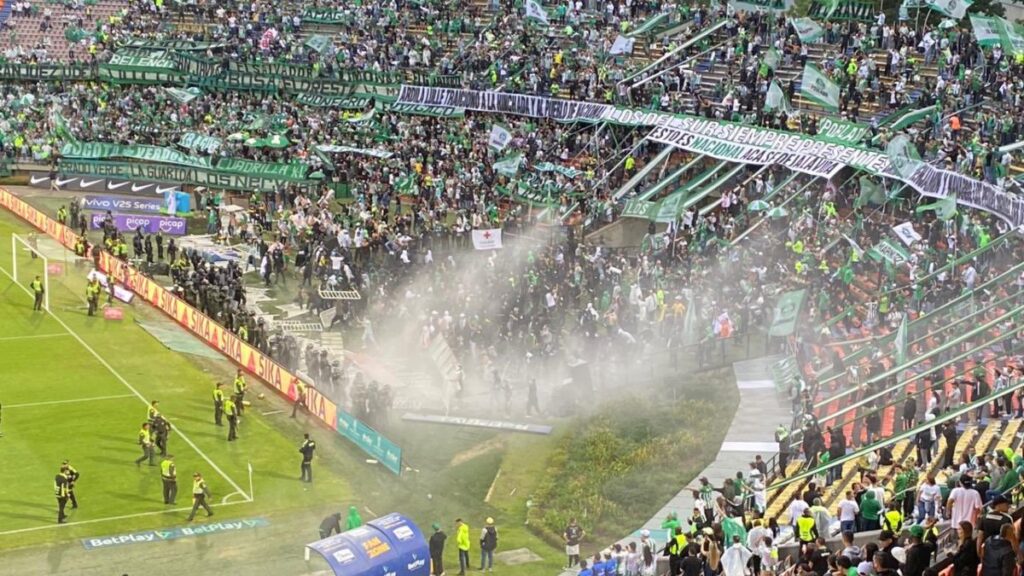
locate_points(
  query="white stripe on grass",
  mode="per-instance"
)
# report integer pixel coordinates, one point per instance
(117, 375)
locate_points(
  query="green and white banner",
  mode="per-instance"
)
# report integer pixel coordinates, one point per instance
(45, 72)
(325, 15)
(817, 87)
(102, 150)
(193, 141)
(807, 30)
(734, 142)
(213, 178)
(772, 58)
(59, 125)
(333, 149)
(637, 208)
(787, 310)
(890, 251)
(186, 45)
(290, 172)
(427, 110)
(509, 165)
(342, 102)
(183, 96)
(563, 170)
(836, 130)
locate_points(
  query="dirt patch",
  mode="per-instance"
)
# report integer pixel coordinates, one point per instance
(476, 451)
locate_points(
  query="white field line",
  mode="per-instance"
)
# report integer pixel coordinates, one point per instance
(117, 375)
(112, 518)
(72, 401)
(32, 337)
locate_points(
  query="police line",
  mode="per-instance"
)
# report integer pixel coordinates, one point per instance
(216, 336)
(733, 142)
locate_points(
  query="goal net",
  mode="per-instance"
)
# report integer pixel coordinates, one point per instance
(39, 256)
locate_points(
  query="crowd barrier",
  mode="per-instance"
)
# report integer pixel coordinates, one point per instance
(251, 360)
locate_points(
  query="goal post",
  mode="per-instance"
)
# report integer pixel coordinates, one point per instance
(27, 262)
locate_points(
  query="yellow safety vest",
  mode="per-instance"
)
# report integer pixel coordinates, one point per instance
(167, 470)
(678, 545)
(239, 384)
(144, 437)
(218, 395)
(894, 521)
(198, 487)
(229, 407)
(805, 526)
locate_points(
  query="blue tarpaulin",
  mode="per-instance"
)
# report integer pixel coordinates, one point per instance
(391, 545)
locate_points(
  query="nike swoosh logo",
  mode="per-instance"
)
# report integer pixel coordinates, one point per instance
(161, 189)
(63, 182)
(138, 188)
(87, 183)
(116, 186)
(38, 179)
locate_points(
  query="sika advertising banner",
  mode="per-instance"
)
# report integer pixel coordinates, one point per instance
(250, 359)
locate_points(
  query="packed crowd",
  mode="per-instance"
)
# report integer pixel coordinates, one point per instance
(403, 241)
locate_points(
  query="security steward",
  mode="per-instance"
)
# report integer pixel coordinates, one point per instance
(218, 404)
(807, 531)
(169, 475)
(72, 475)
(60, 490)
(892, 520)
(676, 548)
(232, 413)
(153, 411)
(146, 441)
(240, 393)
(199, 494)
(307, 449)
(38, 291)
(92, 295)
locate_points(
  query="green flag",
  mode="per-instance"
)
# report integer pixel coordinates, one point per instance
(772, 58)
(870, 191)
(787, 309)
(945, 208)
(509, 165)
(986, 30)
(817, 87)
(914, 116)
(183, 96)
(319, 42)
(901, 341)
(955, 9)
(806, 29)
(775, 99)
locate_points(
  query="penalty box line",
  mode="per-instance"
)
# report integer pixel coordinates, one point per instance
(117, 375)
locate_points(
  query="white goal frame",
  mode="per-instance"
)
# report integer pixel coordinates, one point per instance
(18, 242)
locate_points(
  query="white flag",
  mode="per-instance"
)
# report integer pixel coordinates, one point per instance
(487, 239)
(534, 10)
(500, 137)
(906, 233)
(622, 45)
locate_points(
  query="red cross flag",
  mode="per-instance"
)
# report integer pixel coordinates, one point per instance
(487, 239)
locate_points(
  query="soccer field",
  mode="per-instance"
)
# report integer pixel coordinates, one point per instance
(77, 387)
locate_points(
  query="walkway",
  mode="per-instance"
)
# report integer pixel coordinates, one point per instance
(752, 432)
